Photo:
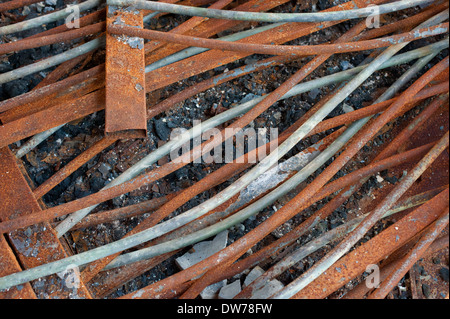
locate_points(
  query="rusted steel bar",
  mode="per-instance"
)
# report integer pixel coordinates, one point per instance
(332, 205)
(126, 243)
(251, 5)
(281, 49)
(105, 283)
(261, 6)
(88, 19)
(125, 108)
(152, 291)
(93, 17)
(276, 220)
(124, 212)
(46, 18)
(379, 107)
(271, 17)
(51, 39)
(111, 192)
(203, 62)
(258, 109)
(215, 178)
(405, 24)
(363, 137)
(152, 59)
(50, 89)
(33, 121)
(217, 80)
(60, 102)
(169, 168)
(289, 210)
(309, 248)
(389, 150)
(186, 26)
(230, 75)
(14, 4)
(123, 274)
(344, 246)
(361, 289)
(212, 27)
(266, 102)
(399, 140)
(376, 249)
(410, 259)
(115, 277)
(71, 167)
(9, 265)
(35, 245)
(49, 118)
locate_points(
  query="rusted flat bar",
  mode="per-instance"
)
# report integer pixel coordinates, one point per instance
(382, 245)
(52, 90)
(215, 178)
(432, 232)
(125, 111)
(51, 39)
(111, 279)
(37, 244)
(10, 265)
(49, 118)
(388, 265)
(56, 100)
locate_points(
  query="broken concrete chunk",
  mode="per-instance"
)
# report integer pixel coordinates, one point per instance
(230, 291)
(268, 290)
(255, 273)
(271, 288)
(201, 251)
(212, 291)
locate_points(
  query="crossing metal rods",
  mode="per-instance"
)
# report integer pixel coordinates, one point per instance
(142, 51)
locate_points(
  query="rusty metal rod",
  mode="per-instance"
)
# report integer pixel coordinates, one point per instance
(379, 247)
(281, 49)
(52, 61)
(14, 4)
(378, 123)
(343, 247)
(72, 166)
(361, 289)
(330, 207)
(334, 167)
(51, 39)
(124, 212)
(330, 236)
(334, 186)
(218, 138)
(129, 242)
(53, 16)
(270, 17)
(120, 189)
(217, 177)
(412, 257)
